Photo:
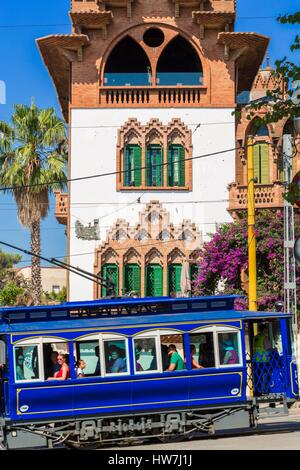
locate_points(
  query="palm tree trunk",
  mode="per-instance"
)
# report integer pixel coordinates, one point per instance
(35, 263)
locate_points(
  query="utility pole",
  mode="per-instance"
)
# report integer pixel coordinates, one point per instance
(251, 228)
(290, 299)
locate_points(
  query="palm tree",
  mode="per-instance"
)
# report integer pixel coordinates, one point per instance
(33, 155)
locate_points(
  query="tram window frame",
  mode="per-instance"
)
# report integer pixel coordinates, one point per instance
(147, 336)
(39, 342)
(222, 329)
(170, 332)
(193, 341)
(84, 339)
(105, 338)
(24, 344)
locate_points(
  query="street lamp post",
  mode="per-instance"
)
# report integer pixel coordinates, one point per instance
(251, 228)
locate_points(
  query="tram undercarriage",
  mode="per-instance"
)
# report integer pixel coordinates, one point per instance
(126, 429)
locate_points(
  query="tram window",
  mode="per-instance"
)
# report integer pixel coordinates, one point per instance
(26, 362)
(2, 352)
(204, 349)
(115, 353)
(88, 352)
(50, 354)
(229, 353)
(145, 355)
(167, 346)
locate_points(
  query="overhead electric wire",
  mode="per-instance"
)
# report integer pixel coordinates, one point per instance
(112, 173)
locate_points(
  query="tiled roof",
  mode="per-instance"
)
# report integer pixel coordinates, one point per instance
(91, 19)
(213, 18)
(253, 47)
(53, 49)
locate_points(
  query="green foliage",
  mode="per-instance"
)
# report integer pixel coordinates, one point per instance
(275, 106)
(59, 297)
(10, 293)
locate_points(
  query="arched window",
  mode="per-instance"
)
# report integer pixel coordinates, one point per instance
(127, 65)
(174, 275)
(176, 165)
(154, 168)
(154, 280)
(133, 166)
(261, 154)
(179, 64)
(110, 272)
(132, 279)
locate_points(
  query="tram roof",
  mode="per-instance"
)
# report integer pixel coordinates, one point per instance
(126, 312)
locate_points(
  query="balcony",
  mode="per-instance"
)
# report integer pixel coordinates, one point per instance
(61, 207)
(152, 96)
(266, 196)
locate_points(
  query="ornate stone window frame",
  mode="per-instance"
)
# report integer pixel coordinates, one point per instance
(154, 132)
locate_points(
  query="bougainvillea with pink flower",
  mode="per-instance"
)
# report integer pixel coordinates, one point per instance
(225, 257)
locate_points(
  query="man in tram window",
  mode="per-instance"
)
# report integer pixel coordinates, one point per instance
(176, 361)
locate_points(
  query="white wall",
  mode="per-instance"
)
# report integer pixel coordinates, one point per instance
(93, 151)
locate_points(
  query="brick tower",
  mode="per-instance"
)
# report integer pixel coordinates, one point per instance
(147, 88)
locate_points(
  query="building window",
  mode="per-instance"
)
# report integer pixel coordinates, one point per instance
(179, 64)
(132, 279)
(154, 168)
(176, 165)
(174, 275)
(115, 352)
(261, 163)
(133, 166)
(154, 280)
(110, 272)
(55, 289)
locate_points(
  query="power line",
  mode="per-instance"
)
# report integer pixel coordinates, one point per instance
(112, 173)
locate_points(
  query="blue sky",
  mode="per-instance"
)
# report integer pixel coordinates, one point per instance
(25, 76)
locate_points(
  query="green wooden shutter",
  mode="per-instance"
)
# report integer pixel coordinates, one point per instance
(132, 278)
(154, 280)
(137, 166)
(110, 271)
(154, 170)
(181, 152)
(127, 165)
(148, 166)
(174, 275)
(170, 166)
(159, 168)
(261, 163)
(264, 158)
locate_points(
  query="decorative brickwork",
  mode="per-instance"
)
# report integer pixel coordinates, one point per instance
(154, 132)
(154, 240)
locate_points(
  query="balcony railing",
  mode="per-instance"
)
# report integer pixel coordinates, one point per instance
(266, 196)
(151, 96)
(61, 207)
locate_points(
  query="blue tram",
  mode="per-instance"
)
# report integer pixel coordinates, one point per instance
(120, 384)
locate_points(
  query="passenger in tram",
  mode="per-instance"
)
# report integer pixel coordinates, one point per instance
(80, 365)
(138, 366)
(206, 355)
(20, 367)
(118, 364)
(176, 361)
(194, 363)
(231, 356)
(64, 371)
(262, 346)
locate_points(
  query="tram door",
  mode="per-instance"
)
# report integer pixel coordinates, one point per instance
(266, 369)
